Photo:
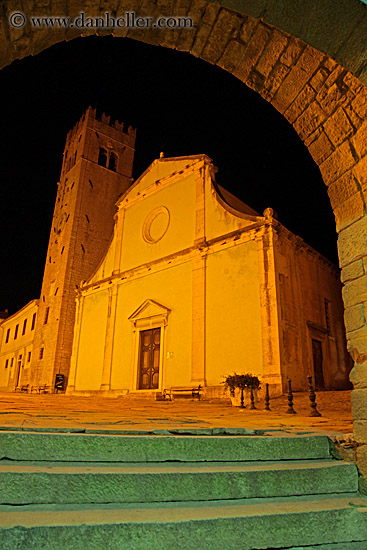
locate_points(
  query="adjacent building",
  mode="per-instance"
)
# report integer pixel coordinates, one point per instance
(16, 347)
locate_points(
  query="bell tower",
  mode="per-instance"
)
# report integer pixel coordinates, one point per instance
(96, 169)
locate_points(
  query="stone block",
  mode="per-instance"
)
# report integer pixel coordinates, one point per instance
(248, 28)
(353, 83)
(338, 127)
(319, 78)
(349, 211)
(4, 44)
(313, 137)
(300, 73)
(231, 55)
(338, 163)
(359, 104)
(321, 148)
(311, 119)
(292, 52)
(73, 8)
(343, 189)
(353, 117)
(359, 404)
(301, 102)
(329, 98)
(355, 317)
(204, 25)
(360, 429)
(357, 344)
(355, 292)
(352, 242)
(352, 271)
(362, 460)
(210, 13)
(359, 140)
(271, 53)
(358, 376)
(252, 52)
(360, 171)
(187, 38)
(226, 27)
(276, 78)
(58, 7)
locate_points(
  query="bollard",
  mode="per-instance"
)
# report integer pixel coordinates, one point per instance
(290, 398)
(252, 406)
(242, 406)
(267, 398)
(312, 396)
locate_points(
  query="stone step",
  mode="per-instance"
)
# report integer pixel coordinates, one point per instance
(247, 524)
(159, 448)
(62, 483)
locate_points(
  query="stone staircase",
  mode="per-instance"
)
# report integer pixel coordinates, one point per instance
(141, 492)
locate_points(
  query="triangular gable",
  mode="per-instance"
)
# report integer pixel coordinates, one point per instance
(159, 170)
(150, 310)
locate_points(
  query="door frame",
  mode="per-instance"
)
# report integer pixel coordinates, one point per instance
(151, 356)
(149, 315)
(317, 332)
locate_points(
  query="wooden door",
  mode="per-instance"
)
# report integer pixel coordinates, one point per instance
(317, 364)
(18, 370)
(150, 343)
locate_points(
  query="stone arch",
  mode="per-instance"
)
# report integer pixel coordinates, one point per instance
(311, 68)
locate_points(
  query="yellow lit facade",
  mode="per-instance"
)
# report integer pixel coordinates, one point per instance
(196, 285)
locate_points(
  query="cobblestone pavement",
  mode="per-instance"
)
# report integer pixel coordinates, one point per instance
(131, 414)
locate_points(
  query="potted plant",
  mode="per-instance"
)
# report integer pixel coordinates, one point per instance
(241, 382)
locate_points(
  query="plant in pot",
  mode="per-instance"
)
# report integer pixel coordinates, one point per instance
(242, 382)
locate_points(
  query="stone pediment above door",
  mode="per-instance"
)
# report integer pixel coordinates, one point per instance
(150, 314)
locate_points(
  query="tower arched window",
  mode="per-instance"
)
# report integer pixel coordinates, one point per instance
(102, 157)
(112, 165)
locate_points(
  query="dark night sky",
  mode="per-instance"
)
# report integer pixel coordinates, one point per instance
(179, 105)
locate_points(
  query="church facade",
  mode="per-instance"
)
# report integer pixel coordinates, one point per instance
(190, 285)
(192, 289)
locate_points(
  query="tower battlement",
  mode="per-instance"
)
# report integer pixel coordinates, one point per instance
(98, 140)
(91, 119)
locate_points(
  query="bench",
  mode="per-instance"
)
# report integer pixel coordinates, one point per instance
(183, 391)
(23, 388)
(40, 389)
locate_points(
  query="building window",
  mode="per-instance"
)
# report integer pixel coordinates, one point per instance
(6, 363)
(102, 157)
(112, 164)
(33, 321)
(29, 357)
(46, 315)
(7, 336)
(16, 332)
(41, 353)
(24, 326)
(11, 362)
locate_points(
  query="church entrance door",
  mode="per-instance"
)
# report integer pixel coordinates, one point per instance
(317, 364)
(150, 343)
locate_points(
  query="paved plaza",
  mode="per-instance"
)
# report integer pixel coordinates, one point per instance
(132, 414)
